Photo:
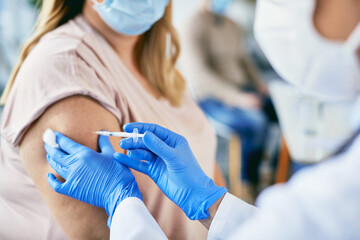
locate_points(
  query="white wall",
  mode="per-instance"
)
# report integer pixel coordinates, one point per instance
(182, 9)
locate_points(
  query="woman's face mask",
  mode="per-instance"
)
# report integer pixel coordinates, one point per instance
(326, 69)
(131, 17)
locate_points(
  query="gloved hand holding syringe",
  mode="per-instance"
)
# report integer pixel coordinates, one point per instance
(163, 155)
(134, 135)
(50, 138)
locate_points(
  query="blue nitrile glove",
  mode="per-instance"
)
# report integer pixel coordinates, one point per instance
(91, 177)
(167, 158)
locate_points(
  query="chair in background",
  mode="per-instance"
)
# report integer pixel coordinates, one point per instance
(283, 166)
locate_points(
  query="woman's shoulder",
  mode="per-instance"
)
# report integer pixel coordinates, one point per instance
(59, 56)
(57, 66)
(46, 65)
(63, 40)
(60, 66)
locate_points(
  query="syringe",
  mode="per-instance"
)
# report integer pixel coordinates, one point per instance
(134, 135)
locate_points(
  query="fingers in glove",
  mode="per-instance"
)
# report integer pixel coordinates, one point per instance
(141, 154)
(54, 183)
(56, 154)
(138, 165)
(169, 137)
(67, 145)
(129, 144)
(105, 145)
(57, 167)
(159, 131)
(158, 146)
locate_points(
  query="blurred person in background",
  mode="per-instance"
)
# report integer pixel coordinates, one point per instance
(227, 84)
(92, 65)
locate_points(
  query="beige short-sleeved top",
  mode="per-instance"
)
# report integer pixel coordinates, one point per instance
(71, 60)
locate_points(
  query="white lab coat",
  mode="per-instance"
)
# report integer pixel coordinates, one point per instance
(322, 202)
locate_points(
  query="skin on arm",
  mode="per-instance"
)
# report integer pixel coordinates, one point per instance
(76, 117)
(212, 212)
(336, 19)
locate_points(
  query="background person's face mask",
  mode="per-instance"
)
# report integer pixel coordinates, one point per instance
(219, 6)
(326, 69)
(131, 17)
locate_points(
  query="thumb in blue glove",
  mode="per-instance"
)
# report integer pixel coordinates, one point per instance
(167, 158)
(91, 177)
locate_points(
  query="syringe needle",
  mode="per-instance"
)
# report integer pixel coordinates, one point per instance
(135, 135)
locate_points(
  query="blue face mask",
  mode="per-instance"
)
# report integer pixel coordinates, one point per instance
(219, 6)
(131, 17)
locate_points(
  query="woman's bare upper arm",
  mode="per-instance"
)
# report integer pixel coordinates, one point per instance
(76, 117)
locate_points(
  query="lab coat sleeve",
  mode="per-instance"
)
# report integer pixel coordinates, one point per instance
(132, 220)
(321, 202)
(231, 214)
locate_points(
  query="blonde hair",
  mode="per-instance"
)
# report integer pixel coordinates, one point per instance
(151, 56)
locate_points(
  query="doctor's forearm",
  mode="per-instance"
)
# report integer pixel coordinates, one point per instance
(212, 212)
